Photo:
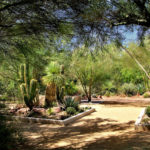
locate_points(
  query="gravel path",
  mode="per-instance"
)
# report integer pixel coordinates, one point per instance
(111, 127)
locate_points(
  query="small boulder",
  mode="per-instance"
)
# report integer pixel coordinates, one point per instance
(41, 100)
(40, 111)
(22, 111)
(56, 109)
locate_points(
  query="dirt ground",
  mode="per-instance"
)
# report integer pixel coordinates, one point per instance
(111, 127)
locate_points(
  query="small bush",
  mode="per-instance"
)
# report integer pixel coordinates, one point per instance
(129, 89)
(50, 111)
(146, 95)
(69, 102)
(71, 88)
(4, 97)
(2, 105)
(71, 110)
(94, 95)
(148, 111)
(141, 89)
(107, 93)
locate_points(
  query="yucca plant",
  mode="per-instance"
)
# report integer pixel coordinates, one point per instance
(28, 87)
(54, 80)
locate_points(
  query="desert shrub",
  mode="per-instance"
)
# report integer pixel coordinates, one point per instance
(107, 93)
(69, 102)
(146, 95)
(148, 111)
(110, 87)
(71, 110)
(81, 110)
(2, 105)
(94, 95)
(146, 120)
(4, 97)
(129, 89)
(71, 88)
(141, 89)
(49, 111)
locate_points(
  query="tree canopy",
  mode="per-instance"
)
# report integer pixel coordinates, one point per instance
(83, 16)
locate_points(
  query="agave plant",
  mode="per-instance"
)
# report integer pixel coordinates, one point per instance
(69, 102)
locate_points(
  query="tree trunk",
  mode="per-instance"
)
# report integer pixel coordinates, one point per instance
(138, 63)
(89, 95)
(50, 94)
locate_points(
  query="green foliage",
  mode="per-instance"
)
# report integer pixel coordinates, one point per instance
(53, 74)
(107, 93)
(84, 66)
(129, 89)
(2, 105)
(94, 95)
(50, 111)
(29, 88)
(69, 102)
(60, 94)
(146, 95)
(148, 111)
(71, 88)
(4, 97)
(109, 86)
(141, 88)
(71, 110)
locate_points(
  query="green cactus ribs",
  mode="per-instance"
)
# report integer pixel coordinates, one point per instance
(29, 87)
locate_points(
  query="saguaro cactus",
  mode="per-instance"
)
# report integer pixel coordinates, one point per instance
(28, 87)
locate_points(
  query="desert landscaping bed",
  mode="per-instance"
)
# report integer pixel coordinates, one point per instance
(51, 121)
(143, 121)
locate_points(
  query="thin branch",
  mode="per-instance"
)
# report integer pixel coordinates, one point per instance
(138, 63)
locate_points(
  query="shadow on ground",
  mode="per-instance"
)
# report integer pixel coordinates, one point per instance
(47, 136)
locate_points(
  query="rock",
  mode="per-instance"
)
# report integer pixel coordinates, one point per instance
(40, 111)
(41, 100)
(99, 96)
(77, 98)
(56, 109)
(22, 111)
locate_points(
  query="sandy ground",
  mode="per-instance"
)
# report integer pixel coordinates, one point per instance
(111, 127)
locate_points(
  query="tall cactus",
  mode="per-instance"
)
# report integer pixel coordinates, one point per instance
(60, 89)
(60, 95)
(28, 87)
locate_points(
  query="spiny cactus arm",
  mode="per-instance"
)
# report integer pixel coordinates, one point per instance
(62, 94)
(33, 89)
(22, 74)
(26, 77)
(37, 96)
(26, 100)
(23, 89)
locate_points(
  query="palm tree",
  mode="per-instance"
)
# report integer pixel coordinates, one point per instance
(54, 78)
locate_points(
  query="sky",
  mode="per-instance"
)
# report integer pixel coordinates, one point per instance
(130, 37)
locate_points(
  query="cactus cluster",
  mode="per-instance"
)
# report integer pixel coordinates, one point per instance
(28, 87)
(60, 89)
(60, 94)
